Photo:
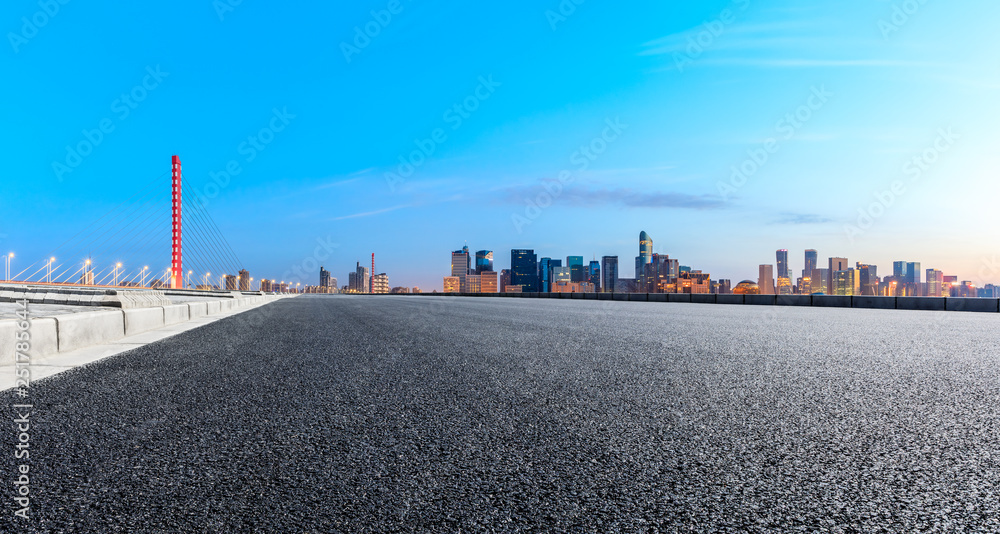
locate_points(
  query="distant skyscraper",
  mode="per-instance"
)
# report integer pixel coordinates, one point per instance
(783, 270)
(244, 280)
(609, 273)
(811, 257)
(524, 269)
(361, 280)
(836, 264)
(324, 277)
(460, 266)
(868, 279)
(484, 261)
(899, 271)
(504, 280)
(545, 275)
(935, 283)
(594, 272)
(766, 280)
(577, 271)
(913, 272)
(818, 281)
(844, 282)
(645, 257)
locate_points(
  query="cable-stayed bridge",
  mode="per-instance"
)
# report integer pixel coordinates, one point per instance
(160, 237)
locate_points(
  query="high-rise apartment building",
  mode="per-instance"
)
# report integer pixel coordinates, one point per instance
(935, 283)
(609, 273)
(324, 277)
(524, 269)
(845, 282)
(504, 280)
(380, 284)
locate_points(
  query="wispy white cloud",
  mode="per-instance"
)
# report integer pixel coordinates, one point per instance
(371, 213)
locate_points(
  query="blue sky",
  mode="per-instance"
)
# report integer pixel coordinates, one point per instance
(825, 105)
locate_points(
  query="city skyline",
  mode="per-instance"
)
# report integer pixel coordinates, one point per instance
(644, 123)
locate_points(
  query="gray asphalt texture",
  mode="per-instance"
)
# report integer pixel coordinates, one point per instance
(429, 414)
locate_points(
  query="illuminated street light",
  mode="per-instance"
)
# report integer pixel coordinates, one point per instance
(8, 258)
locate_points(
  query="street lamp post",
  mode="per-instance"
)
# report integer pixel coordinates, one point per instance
(142, 283)
(48, 270)
(206, 279)
(8, 258)
(117, 266)
(86, 272)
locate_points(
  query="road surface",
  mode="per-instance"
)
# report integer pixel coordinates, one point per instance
(427, 414)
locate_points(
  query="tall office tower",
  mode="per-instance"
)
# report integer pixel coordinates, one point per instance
(324, 277)
(913, 273)
(484, 261)
(811, 257)
(524, 269)
(836, 264)
(468, 257)
(552, 265)
(545, 275)
(868, 278)
(244, 280)
(504, 280)
(645, 256)
(577, 271)
(460, 266)
(782, 258)
(935, 283)
(818, 281)
(766, 280)
(594, 272)
(609, 273)
(230, 282)
(899, 271)
(352, 282)
(488, 282)
(844, 282)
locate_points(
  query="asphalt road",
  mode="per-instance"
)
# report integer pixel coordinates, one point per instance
(421, 414)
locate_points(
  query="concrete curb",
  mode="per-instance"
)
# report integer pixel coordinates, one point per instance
(64, 333)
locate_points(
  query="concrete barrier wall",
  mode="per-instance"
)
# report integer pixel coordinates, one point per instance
(920, 303)
(176, 313)
(821, 301)
(793, 300)
(881, 303)
(214, 307)
(43, 340)
(831, 301)
(138, 320)
(79, 330)
(759, 300)
(197, 309)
